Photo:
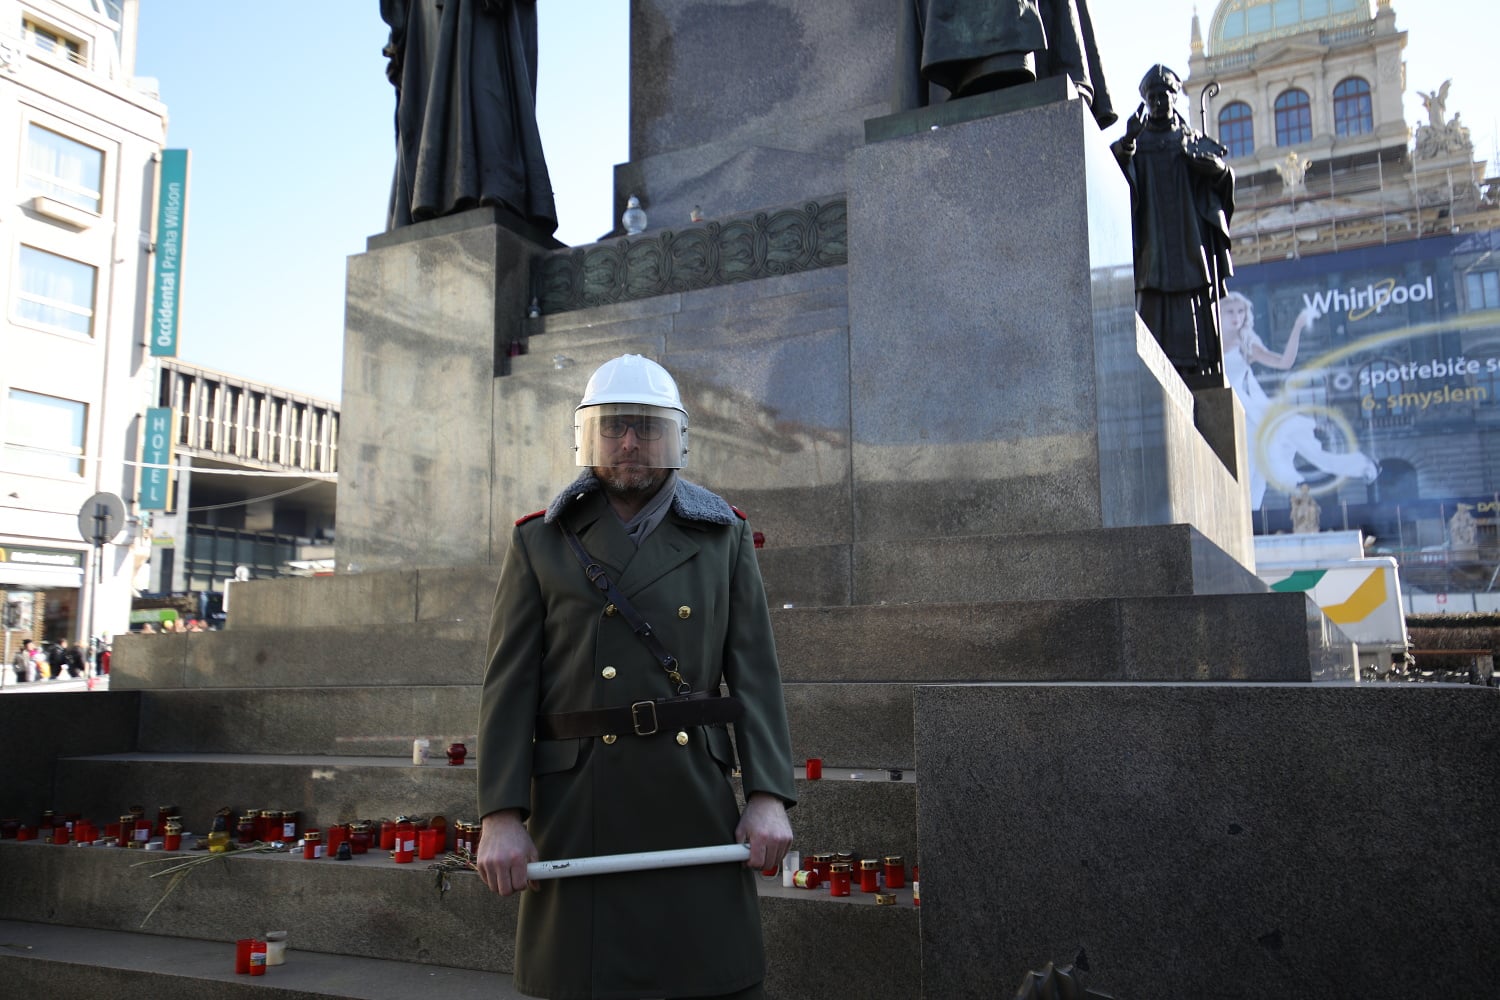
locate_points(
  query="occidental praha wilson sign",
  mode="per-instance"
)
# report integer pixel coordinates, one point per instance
(171, 215)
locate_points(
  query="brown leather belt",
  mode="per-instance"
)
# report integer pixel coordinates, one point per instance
(642, 718)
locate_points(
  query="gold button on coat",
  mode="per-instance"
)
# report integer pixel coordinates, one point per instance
(682, 739)
(609, 673)
(609, 610)
(609, 738)
(684, 612)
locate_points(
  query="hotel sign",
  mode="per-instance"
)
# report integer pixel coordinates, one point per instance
(156, 459)
(166, 288)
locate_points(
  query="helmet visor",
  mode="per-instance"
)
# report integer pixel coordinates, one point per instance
(630, 434)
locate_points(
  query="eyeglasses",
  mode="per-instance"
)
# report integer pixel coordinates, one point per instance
(646, 428)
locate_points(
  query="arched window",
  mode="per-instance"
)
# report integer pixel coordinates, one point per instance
(1293, 118)
(1236, 130)
(1351, 108)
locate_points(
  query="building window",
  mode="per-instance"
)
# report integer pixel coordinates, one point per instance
(1236, 129)
(1293, 118)
(60, 168)
(1482, 289)
(1352, 114)
(44, 434)
(56, 292)
(49, 39)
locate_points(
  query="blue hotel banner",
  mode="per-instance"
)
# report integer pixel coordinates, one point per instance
(166, 289)
(156, 459)
(1373, 377)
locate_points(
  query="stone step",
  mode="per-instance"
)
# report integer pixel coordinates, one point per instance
(61, 961)
(871, 814)
(431, 653)
(386, 597)
(855, 724)
(1267, 636)
(1166, 560)
(345, 721)
(1264, 637)
(371, 908)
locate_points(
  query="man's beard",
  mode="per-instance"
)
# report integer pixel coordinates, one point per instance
(631, 480)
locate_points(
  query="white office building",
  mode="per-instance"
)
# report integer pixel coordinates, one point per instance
(80, 139)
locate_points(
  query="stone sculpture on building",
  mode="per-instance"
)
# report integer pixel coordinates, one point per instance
(1441, 135)
(1292, 169)
(1306, 514)
(1463, 530)
(970, 47)
(466, 129)
(1181, 199)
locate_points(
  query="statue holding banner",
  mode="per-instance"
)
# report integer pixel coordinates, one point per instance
(466, 129)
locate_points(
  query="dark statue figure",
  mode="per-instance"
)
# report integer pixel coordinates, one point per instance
(466, 130)
(972, 47)
(1181, 199)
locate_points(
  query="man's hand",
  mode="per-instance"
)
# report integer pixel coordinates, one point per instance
(505, 848)
(764, 826)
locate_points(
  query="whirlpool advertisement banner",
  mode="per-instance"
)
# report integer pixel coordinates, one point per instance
(1373, 377)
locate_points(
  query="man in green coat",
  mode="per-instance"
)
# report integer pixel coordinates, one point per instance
(593, 741)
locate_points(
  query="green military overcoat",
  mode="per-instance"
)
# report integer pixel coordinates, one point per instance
(555, 647)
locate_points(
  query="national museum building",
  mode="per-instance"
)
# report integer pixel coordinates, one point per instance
(1376, 242)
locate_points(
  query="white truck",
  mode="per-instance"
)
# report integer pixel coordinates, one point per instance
(1358, 593)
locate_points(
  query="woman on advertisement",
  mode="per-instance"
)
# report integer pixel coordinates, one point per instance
(1277, 439)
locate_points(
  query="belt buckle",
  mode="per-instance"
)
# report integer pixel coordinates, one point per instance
(635, 718)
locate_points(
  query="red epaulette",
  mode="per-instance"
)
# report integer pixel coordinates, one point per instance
(529, 517)
(739, 513)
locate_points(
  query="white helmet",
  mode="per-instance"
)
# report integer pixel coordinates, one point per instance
(631, 403)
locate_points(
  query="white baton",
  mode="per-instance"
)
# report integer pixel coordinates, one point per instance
(604, 864)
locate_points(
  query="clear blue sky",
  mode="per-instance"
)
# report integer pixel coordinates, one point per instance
(285, 106)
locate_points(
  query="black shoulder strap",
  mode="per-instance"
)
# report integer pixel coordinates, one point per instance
(639, 625)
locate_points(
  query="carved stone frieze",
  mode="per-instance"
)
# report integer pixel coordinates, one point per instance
(742, 248)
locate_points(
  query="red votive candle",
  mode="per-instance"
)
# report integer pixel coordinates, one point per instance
(807, 879)
(869, 875)
(404, 846)
(312, 844)
(242, 955)
(428, 842)
(814, 768)
(895, 871)
(840, 878)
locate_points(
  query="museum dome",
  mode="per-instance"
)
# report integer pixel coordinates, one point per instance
(1240, 24)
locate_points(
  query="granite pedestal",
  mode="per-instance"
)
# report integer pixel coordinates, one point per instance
(1219, 840)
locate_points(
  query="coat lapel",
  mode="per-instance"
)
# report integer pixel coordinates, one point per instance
(666, 548)
(602, 534)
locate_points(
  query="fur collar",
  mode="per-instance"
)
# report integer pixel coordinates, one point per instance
(690, 501)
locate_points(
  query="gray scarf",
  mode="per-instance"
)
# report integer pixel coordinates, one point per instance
(655, 511)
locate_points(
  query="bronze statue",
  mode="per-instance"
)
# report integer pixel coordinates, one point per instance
(972, 47)
(1181, 199)
(466, 130)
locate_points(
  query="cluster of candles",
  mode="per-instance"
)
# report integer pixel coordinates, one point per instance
(134, 829)
(842, 870)
(406, 838)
